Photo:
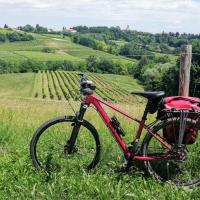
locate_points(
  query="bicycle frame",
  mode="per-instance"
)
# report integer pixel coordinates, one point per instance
(96, 101)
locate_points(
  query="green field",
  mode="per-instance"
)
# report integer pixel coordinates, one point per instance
(16, 85)
(64, 49)
(21, 113)
(62, 85)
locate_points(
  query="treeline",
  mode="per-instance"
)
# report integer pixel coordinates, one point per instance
(15, 36)
(130, 50)
(92, 64)
(94, 43)
(102, 65)
(161, 42)
(30, 65)
(32, 29)
(165, 76)
(116, 33)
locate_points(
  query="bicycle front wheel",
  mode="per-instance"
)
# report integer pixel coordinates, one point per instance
(49, 146)
(181, 172)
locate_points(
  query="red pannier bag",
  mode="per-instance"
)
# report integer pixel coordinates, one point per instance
(170, 107)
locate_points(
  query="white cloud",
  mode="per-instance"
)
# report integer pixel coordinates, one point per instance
(165, 14)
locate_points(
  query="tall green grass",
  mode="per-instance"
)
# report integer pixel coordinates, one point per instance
(20, 85)
(19, 180)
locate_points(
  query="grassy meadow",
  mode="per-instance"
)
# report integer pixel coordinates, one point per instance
(21, 114)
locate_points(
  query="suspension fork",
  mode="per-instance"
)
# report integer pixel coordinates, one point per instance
(76, 127)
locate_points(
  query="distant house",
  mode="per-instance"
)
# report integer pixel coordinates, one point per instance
(50, 30)
(71, 30)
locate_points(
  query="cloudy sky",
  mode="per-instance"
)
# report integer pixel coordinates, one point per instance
(145, 15)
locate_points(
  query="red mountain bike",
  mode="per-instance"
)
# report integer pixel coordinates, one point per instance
(71, 141)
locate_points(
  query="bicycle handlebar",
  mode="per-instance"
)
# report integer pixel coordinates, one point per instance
(86, 86)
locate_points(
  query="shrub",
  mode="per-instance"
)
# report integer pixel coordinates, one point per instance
(15, 36)
(31, 66)
(102, 65)
(2, 37)
(48, 50)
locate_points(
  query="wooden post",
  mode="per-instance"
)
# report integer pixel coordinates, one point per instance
(185, 66)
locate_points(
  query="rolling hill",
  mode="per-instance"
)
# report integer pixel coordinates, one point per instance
(64, 49)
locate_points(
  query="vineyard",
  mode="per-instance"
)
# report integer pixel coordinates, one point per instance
(63, 85)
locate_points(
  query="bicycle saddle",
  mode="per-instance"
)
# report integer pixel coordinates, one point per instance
(150, 95)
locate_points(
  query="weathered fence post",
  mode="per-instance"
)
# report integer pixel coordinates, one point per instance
(185, 66)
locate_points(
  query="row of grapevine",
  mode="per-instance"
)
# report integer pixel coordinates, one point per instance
(60, 85)
(57, 88)
(112, 87)
(52, 92)
(69, 86)
(104, 92)
(121, 94)
(37, 90)
(45, 90)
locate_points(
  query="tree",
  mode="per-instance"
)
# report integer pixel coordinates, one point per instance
(40, 29)
(6, 26)
(15, 36)
(102, 65)
(138, 69)
(27, 28)
(2, 37)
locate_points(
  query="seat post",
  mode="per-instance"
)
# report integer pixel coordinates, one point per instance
(144, 117)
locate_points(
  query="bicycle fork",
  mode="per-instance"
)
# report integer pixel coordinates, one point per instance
(70, 146)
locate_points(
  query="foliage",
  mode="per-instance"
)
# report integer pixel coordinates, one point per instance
(27, 28)
(162, 59)
(48, 50)
(15, 36)
(196, 51)
(166, 78)
(36, 29)
(2, 37)
(31, 66)
(7, 67)
(40, 29)
(135, 51)
(160, 42)
(139, 67)
(94, 43)
(102, 65)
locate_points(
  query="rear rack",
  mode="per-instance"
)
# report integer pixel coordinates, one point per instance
(174, 111)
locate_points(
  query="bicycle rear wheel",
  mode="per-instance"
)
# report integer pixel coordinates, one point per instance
(49, 148)
(184, 172)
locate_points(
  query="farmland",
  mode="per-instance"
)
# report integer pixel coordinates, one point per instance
(63, 85)
(64, 49)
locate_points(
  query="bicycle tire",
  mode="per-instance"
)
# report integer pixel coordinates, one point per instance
(154, 168)
(53, 123)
